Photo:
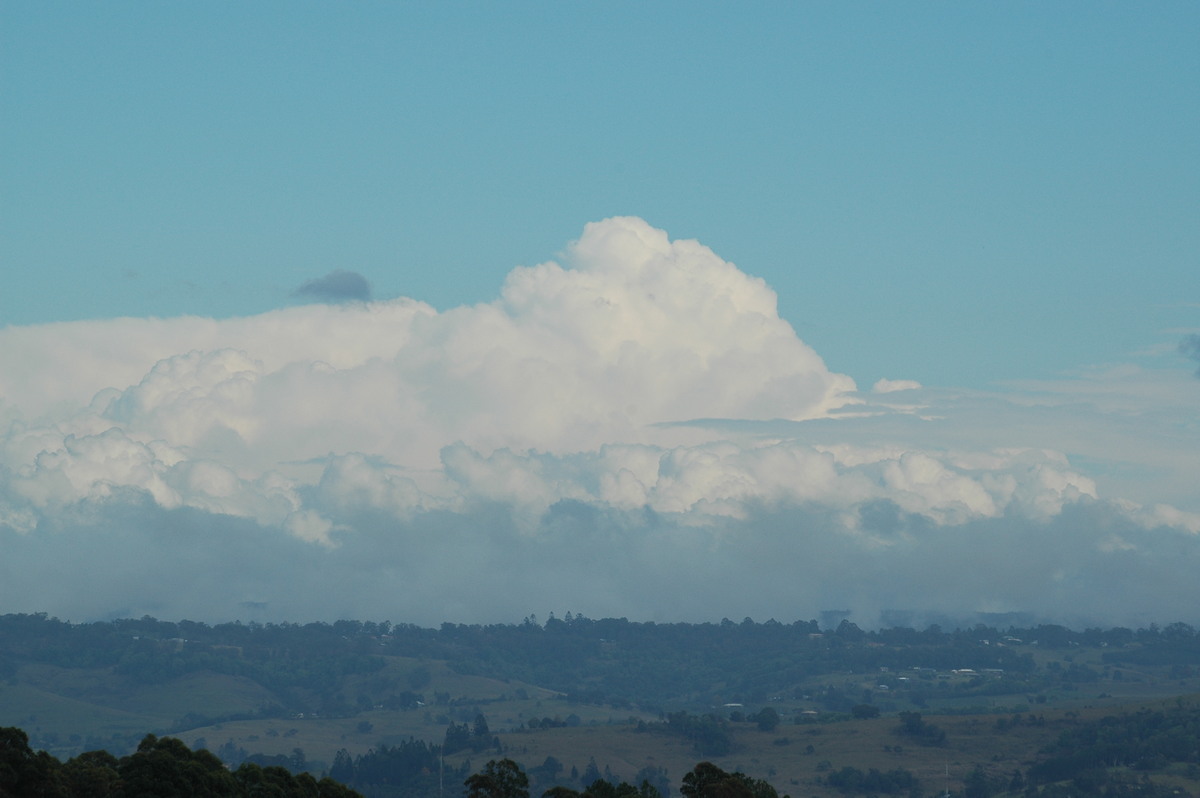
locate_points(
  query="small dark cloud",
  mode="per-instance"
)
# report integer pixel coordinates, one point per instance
(337, 286)
(1189, 347)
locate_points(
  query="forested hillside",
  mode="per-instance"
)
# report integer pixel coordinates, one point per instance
(609, 661)
(827, 711)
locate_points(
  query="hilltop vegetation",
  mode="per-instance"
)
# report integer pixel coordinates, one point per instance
(159, 767)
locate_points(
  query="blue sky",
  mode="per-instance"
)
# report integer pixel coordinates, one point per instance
(561, 301)
(953, 193)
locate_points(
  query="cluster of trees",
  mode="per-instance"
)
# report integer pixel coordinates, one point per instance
(709, 734)
(554, 723)
(234, 755)
(916, 728)
(505, 778)
(550, 777)
(160, 767)
(706, 780)
(851, 780)
(411, 769)
(1142, 741)
(476, 737)
(766, 718)
(1176, 644)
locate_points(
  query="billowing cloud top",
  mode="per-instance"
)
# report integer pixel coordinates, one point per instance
(633, 431)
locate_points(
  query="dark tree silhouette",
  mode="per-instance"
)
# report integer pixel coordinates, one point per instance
(499, 779)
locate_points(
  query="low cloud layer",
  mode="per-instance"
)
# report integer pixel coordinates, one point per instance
(633, 431)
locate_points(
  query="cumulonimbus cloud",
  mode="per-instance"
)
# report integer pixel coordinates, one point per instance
(637, 408)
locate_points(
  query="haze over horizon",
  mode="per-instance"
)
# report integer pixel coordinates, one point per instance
(320, 313)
